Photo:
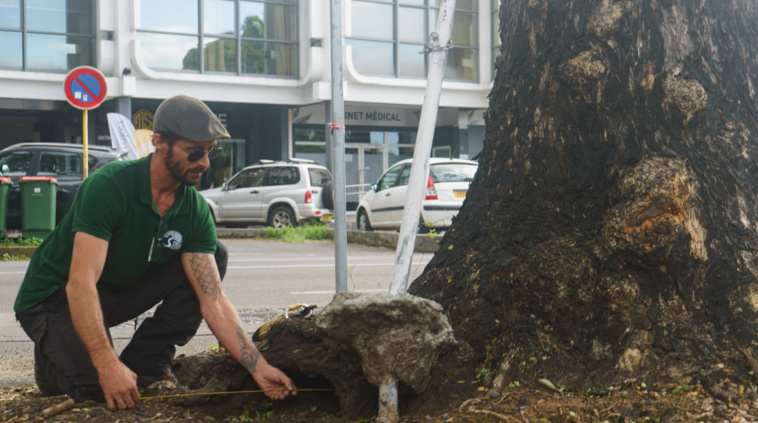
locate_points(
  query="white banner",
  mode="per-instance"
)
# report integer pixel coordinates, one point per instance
(122, 134)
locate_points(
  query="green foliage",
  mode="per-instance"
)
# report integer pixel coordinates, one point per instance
(514, 384)
(482, 372)
(299, 234)
(13, 257)
(21, 242)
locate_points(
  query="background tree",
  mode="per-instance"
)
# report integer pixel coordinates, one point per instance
(611, 231)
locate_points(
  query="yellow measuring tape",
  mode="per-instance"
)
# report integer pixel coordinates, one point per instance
(232, 392)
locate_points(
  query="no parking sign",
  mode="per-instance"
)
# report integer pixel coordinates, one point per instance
(85, 87)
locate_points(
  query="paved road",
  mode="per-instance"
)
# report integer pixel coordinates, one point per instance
(263, 278)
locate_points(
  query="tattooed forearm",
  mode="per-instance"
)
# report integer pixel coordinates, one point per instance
(204, 269)
(250, 355)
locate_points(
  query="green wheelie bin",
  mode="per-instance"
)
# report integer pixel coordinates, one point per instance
(5, 186)
(38, 194)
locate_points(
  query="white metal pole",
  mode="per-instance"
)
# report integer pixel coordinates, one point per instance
(439, 43)
(338, 150)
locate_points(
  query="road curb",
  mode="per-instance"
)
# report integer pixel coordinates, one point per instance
(17, 251)
(383, 239)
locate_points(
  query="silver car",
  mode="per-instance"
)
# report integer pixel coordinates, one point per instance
(275, 193)
(446, 187)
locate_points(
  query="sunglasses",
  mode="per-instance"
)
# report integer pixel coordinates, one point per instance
(195, 155)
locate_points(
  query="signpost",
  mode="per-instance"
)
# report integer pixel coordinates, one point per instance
(85, 89)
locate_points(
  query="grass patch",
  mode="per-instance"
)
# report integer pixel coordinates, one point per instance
(13, 257)
(299, 234)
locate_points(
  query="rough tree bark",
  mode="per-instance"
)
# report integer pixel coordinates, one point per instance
(611, 232)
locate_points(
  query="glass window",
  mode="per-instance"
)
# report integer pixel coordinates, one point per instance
(58, 52)
(405, 176)
(171, 52)
(452, 172)
(248, 178)
(218, 17)
(411, 62)
(389, 178)
(373, 57)
(268, 21)
(462, 64)
(319, 177)
(410, 25)
(372, 20)
(260, 57)
(282, 176)
(464, 27)
(10, 14)
(60, 164)
(220, 55)
(15, 164)
(178, 16)
(405, 27)
(265, 33)
(56, 35)
(12, 56)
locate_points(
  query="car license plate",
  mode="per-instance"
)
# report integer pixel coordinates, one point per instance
(459, 194)
(326, 217)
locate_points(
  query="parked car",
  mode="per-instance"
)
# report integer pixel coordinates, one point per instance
(447, 184)
(275, 193)
(59, 160)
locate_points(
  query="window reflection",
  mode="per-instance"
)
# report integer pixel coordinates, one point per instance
(57, 52)
(372, 20)
(220, 55)
(10, 14)
(12, 54)
(170, 52)
(218, 17)
(385, 37)
(265, 33)
(169, 16)
(59, 34)
(373, 57)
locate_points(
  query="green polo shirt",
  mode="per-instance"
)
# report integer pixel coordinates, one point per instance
(116, 204)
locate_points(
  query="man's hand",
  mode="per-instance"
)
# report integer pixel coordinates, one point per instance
(119, 385)
(274, 382)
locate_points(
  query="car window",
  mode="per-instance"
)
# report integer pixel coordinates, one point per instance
(248, 179)
(15, 164)
(389, 178)
(319, 177)
(60, 164)
(452, 172)
(405, 175)
(284, 175)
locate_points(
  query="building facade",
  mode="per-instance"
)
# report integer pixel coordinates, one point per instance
(263, 66)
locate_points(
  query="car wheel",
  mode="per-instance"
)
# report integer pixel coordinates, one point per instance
(363, 222)
(281, 216)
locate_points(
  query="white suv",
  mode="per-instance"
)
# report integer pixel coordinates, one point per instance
(276, 193)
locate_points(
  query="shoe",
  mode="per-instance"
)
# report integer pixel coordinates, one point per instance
(47, 388)
(143, 381)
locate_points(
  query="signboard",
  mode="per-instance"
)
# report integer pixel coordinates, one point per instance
(143, 119)
(85, 88)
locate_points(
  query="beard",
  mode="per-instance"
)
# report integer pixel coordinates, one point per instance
(180, 173)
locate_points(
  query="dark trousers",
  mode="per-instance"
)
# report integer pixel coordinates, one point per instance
(62, 358)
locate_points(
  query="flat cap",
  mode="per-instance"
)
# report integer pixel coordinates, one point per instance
(188, 118)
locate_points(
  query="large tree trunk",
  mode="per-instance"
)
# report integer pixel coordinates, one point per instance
(611, 231)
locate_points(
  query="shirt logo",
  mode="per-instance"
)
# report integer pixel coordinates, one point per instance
(172, 240)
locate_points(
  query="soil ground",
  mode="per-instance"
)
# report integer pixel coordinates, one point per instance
(472, 403)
